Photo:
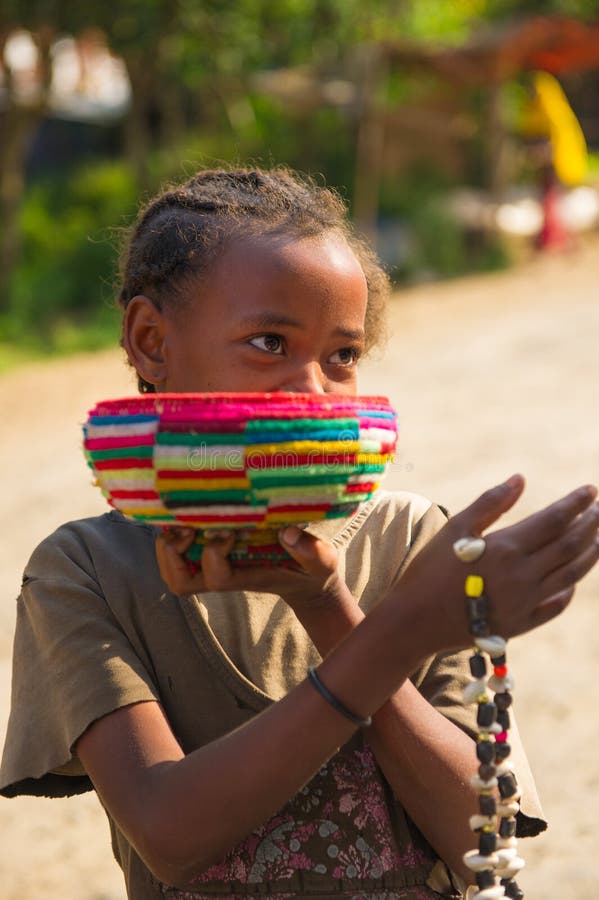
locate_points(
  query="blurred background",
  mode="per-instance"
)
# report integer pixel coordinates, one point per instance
(464, 136)
(431, 119)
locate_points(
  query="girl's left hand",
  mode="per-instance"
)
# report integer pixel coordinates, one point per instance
(315, 583)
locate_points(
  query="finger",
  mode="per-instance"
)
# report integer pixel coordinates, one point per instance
(580, 535)
(571, 572)
(174, 570)
(216, 567)
(313, 555)
(552, 607)
(550, 523)
(179, 538)
(489, 506)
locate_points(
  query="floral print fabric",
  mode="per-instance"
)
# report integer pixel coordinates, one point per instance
(335, 834)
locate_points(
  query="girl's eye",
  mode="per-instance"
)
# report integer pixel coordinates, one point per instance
(271, 343)
(347, 356)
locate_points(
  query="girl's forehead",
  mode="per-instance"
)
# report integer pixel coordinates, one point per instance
(324, 262)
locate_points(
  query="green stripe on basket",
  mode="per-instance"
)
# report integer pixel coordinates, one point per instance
(296, 424)
(122, 453)
(204, 438)
(307, 472)
(201, 498)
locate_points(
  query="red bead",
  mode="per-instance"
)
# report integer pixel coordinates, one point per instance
(501, 738)
(500, 671)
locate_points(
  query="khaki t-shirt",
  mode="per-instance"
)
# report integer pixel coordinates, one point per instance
(97, 630)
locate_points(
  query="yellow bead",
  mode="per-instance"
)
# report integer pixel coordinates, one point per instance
(474, 586)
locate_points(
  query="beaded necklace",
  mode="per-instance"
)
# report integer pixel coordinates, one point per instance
(495, 862)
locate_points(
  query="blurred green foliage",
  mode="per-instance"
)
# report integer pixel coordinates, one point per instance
(61, 291)
(191, 66)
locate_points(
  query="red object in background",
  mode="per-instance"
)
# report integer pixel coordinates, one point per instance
(553, 235)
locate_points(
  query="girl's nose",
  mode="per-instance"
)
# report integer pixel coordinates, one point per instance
(307, 379)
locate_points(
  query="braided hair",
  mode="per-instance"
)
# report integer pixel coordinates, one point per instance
(180, 234)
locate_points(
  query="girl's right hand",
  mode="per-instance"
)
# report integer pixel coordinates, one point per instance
(530, 569)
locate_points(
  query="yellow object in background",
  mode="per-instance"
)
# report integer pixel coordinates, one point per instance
(550, 115)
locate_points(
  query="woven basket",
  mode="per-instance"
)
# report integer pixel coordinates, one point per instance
(252, 462)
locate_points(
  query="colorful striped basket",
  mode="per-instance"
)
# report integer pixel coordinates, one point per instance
(252, 462)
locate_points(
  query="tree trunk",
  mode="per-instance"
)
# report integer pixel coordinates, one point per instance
(20, 123)
(370, 144)
(138, 140)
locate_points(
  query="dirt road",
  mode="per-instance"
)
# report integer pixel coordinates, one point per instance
(490, 375)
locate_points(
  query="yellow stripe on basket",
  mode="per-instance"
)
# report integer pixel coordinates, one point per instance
(374, 459)
(302, 447)
(103, 475)
(307, 515)
(149, 513)
(200, 484)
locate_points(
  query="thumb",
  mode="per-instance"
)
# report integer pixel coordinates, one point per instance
(314, 556)
(491, 505)
(216, 567)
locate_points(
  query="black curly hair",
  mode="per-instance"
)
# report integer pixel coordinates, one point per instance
(180, 233)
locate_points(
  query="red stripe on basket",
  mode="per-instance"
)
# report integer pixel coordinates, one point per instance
(181, 517)
(113, 443)
(129, 463)
(361, 488)
(201, 474)
(135, 495)
(299, 507)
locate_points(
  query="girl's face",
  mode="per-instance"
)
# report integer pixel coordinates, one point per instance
(274, 315)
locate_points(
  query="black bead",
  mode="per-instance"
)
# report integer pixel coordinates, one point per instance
(507, 785)
(486, 771)
(486, 714)
(485, 751)
(478, 607)
(498, 660)
(503, 719)
(503, 700)
(511, 889)
(478, 665)
(487, 805)
(487, 841)
(502, 750)
(507, 827)
(479, 628)
(485, 879)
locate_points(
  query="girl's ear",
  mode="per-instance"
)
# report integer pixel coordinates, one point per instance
(144, 339)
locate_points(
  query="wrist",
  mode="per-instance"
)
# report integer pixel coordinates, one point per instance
(330, 617)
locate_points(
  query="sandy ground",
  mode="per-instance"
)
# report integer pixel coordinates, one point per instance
(490, 375)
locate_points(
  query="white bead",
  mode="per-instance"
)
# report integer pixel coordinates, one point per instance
(504, 766)
(473, 690)
(490, 893)
(478, 821)
(477, 863)
(479, 785)
(511, 867)
(494, 728)
(505, 855)
(500, 685)
(469, 549)
(506, 808)
(493, 645)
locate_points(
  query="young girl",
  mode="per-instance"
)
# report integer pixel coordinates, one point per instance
(184, 699)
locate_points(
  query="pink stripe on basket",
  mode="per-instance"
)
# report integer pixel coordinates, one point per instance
(113, 443)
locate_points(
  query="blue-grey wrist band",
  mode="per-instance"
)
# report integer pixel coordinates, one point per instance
(336, 704)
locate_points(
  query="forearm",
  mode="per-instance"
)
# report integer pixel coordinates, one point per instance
(182, 813)
(426, 759)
